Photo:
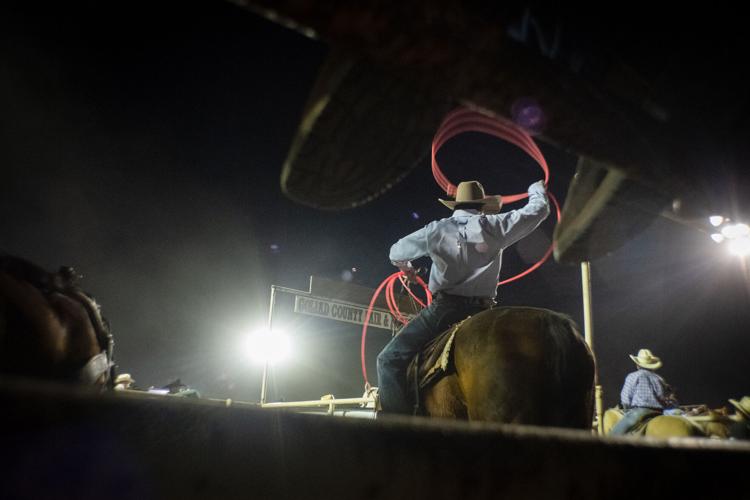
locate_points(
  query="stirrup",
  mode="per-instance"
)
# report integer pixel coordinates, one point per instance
(371, 393)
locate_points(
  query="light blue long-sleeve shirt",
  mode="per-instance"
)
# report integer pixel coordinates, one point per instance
(467, 248)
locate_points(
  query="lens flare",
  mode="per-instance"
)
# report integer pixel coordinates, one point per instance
(716, 220)
(527, 113)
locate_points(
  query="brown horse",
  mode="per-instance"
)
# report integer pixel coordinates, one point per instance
(50, 328)
(517, 365)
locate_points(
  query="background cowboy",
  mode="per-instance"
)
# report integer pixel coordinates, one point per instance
(124, 381)
(740, 428)
(466, 251)
(644, 394)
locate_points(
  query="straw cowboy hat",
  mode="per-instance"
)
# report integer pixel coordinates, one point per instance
(743, 406)
(646, 359)
(473, 192)
(124, 378)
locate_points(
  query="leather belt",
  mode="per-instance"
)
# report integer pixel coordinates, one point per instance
(479, 301)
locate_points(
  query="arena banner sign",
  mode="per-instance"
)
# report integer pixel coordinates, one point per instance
(342, 311)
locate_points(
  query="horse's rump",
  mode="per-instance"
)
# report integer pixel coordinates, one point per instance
(521, 365)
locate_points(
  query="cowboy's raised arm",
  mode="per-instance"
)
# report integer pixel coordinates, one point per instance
(408, 248)
(516, 224)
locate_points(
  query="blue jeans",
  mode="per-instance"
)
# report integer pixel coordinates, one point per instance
(630, 420)
(394, 359)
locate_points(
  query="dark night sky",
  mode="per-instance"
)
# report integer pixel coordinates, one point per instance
(144, 147)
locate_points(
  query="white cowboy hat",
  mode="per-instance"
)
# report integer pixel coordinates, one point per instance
(646, 359)
(743, 405)
(473, 192)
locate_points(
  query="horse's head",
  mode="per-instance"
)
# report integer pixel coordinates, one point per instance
(49, 327)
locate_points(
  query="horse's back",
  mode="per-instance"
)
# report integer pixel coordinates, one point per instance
(525, 365)
(666, 426)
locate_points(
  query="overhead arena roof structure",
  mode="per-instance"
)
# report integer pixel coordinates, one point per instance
(656, 108)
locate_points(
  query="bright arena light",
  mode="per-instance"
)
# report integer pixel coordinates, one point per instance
(264, 346)
(735, 236)
(716, 220)
(740, 246)
(735, 231)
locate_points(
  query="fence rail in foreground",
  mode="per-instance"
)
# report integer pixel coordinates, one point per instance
(331, 403)
(64, 442)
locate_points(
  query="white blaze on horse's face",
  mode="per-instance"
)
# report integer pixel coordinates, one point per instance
(265, 346)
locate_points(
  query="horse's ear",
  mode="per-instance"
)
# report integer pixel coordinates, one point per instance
(68, 277)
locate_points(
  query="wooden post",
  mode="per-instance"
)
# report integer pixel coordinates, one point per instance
(588, 328)
(264, 381)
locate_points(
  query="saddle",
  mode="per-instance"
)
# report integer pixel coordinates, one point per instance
(431, 364)
(639, 427)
